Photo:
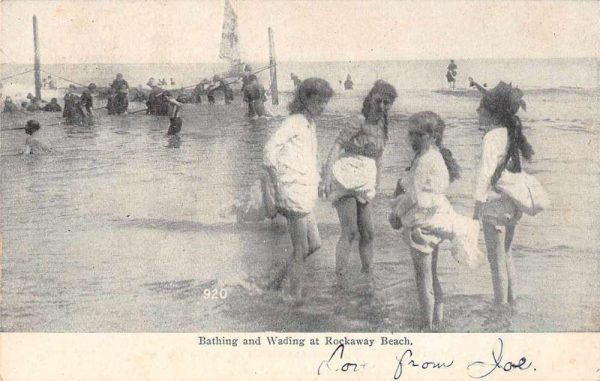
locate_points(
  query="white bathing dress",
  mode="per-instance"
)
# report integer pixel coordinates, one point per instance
(428, 217)
(292, 153)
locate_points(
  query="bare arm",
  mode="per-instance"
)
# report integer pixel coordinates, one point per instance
(493, 151)
(177, 105)
(472, 83)
(379, 164)
(175, 102)
(334, 154)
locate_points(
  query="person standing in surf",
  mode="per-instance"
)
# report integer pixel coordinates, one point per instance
(423, 211)
(153, 105)
(290, 158)
(85, 106)
(71, 110)
(254, 95)
(219, 84)
(121, 101)
(351, 174)
(502, 148)
(348, 83)
(451, 74)
(174, 106)
(296, 80)
(246, 77)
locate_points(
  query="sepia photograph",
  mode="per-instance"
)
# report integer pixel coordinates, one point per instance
(299, 166)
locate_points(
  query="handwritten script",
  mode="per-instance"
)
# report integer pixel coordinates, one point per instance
(335, 363)
(481, 369)
(409, 361)
(407, 356)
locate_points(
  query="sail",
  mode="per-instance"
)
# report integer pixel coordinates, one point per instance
(230, 49)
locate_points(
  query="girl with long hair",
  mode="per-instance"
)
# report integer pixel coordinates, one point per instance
(503, 146)
(352, 171)
(426, 216)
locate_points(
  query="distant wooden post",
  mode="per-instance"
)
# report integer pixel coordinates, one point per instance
(36, 60)
(273, 69)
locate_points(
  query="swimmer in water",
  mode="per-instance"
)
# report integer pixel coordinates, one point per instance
(33, 144)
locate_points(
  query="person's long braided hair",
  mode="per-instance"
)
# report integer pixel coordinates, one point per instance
(503, 103)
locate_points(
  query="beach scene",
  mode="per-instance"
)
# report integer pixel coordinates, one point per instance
(125, 228)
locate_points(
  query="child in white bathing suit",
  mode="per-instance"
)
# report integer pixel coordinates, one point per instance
(427, 217)
(290, 157)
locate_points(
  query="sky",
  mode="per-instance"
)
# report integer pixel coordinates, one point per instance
(120, 31)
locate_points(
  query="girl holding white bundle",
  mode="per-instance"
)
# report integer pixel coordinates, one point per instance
(351, 174)
(426, 216)
(500, 211)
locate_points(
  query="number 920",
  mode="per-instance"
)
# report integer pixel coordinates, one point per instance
(214, 293)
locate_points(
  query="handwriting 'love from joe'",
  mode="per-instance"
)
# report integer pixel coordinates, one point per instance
(412, 361)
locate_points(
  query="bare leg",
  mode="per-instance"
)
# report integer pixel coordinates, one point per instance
(314, 240)
(297, 226)
(346, 209)
(510, 265)
(366, 231)
(438, 307)
(299, 236)
(494, 243)
(423, 276)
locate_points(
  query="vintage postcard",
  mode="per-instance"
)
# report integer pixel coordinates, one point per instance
(270, 190)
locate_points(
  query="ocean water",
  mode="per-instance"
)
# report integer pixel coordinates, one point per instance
(123, 229)
(414, 75)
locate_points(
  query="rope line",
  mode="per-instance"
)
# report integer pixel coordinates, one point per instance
(14, 75)
(65, 79)
(229, 83)
(81, 84)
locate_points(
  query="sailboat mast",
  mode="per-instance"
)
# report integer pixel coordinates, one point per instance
(36, 60)
(273, 68)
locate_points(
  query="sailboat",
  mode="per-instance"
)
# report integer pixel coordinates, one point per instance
(230, 42)
(230, 51)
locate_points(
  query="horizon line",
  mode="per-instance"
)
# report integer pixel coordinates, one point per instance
(315, 61)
